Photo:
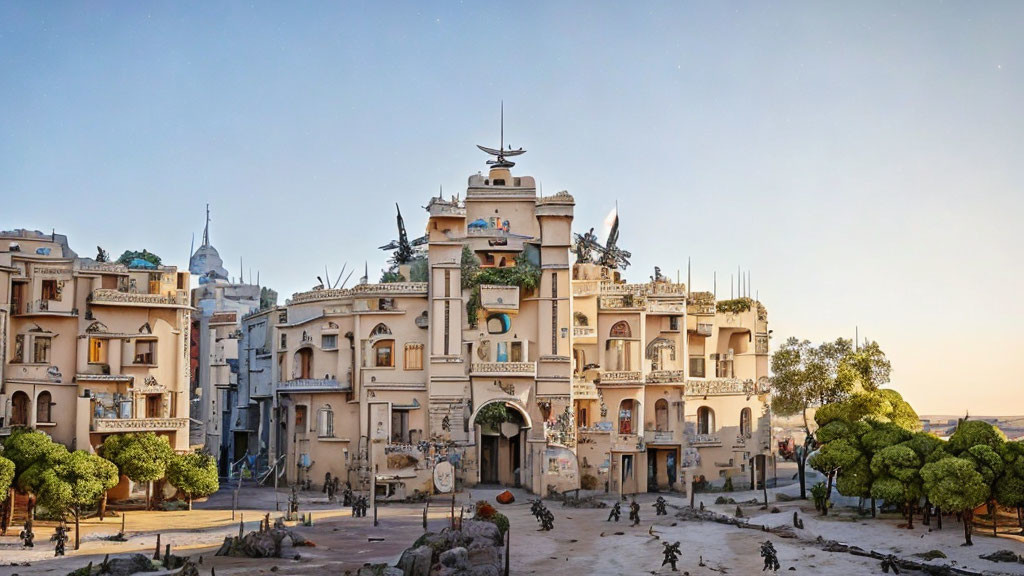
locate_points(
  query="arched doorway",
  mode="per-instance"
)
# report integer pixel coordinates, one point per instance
(19, 409)
(303, 363)
(501, 428)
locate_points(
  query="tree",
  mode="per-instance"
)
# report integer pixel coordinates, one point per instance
(989, 463)
(897, 471)
(142, 457)
(6, 477)
(1009, 489)
(76, 481)
(836, 455)
(970, 433)
(32, 453)
(953, 484)
(195, 474)
(129, 255)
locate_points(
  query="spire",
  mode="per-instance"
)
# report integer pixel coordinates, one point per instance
(206, 230)
(501, 152)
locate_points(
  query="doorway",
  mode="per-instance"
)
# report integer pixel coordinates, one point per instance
(489, 459)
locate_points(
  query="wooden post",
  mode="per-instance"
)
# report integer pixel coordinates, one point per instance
(123, 514)
(167, 553)
(508, 549)
(453, 508)
(425, 516)
(156, 555)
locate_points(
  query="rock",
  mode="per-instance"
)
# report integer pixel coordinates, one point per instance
(416, 561)
(378, 570)
(129, 564)
(484, 556)
(505, 497)
(474, 530)
(1003, 556)
(457, 558)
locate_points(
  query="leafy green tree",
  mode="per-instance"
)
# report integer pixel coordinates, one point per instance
(897, 471)
(989, 463)
(970, 433)
(955, 485)
(1009, 489)
(6, 477)
(32, 452)
(194, 473)
(864, 368)
(129, 255)
(76, 481)
(142, 457)
(838, 454)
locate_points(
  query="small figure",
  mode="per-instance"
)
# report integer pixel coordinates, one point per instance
(547, 520)
(659, 507)
(771, 559)
(672, 555)
(634, 512)
(615, 513)
(327, 482)
(890, 562)
(346, 495)
(359, 507)
(60, 537)
(293, 503)
(27, 535)
(535, 508)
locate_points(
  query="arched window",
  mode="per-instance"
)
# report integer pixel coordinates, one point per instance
(620, 330)
(43, 403)
(661, 352)
(19, 406)
(380, 330)
(745, 423)
(325, 422)
(580, 319)
(303, 363)
(705, 420)
(384, 354)
(661, 415)
(627, 416)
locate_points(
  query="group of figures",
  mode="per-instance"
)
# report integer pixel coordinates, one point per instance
(634, 511)
(542, 514)
(60, 537)
(771, 558)
(331, 487)
(360, 504)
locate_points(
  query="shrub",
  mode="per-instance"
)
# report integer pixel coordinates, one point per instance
(588, 482)
(484, 510)
(728, 485)
(501, 521)
(819, 492)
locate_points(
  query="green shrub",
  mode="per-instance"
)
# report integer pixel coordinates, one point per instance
(728, 485)
(819, 491)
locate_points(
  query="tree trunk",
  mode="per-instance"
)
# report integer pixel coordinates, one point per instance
(190, 503)
(910, 515)
(968, 518)
(801, 461)
(149, 491)
(873, 507)
(828, 494)
(927, 513)
(994, 514)
(78, 530)
(103, 506)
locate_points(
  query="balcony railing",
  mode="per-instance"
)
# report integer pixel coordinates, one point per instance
(704, 329)
(720, 387)
(138, 424)
(43, 307)
(627, 442)
(313, 385)
(704, 440)
(585, 288)
(666, 377)
(583, 390)
(116, 297)
(584, 332)
(622, 377)
(661, 437)
(505, 368)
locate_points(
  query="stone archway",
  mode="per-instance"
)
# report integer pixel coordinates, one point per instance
(500, 427)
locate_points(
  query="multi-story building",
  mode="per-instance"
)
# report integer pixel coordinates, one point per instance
(92, 348)
(510, 361)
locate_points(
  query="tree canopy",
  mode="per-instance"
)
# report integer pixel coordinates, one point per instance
(955, 485)
(75, 481)
(129, 255)
(142, 457)
(194, 473)
(32, 452)
(6, 477)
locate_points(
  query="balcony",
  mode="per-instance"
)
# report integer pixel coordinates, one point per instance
(43, 308)
(666, 377)
(504, 369)
(621, 377)
(111, 297)
(313, 385)
(582, 288)
(662, 437)
(583, 390)
(720, 387)
(627, 443)
(704, 328)
(495, 298)
(704, 440)
(103, 425)
(33, 372)
(627, 302)
(584, 334)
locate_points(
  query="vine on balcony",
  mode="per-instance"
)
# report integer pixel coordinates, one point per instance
(736, 305)
(524, 275)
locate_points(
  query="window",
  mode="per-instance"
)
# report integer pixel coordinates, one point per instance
(380, 330)
(580, 319)
(154, 403)
(745, 422)
(517, 352)
(400, 426)
(300, 418)
(620, 330)
(414, 356)
(618, 355)
(383, 354)
(324, 422)
(627, 414)
(19, 405)
(41, 349)
(303, 363)
(673, 323)
(284, 341)
(329, 341)
(19, 348)
(50, 290)
(43, 404)
(661, 415)
(386, 304)
(705, 420)
(97, 351)
(282, 317)
(145, 351)
(696, 367)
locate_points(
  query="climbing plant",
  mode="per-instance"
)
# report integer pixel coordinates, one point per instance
(492, 415)
(736, 305)
(524, 275)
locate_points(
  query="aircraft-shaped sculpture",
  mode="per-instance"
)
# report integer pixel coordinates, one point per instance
(610, 255)
(500, 152)
(403, 248)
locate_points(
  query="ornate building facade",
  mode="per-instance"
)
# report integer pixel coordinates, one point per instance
(91, 348)
(523, 359)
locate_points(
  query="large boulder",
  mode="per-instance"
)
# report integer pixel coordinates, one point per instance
(128, 565)
(416, 561)
(456, 558)
(477, 530)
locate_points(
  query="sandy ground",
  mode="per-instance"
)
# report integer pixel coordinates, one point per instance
(583, 542)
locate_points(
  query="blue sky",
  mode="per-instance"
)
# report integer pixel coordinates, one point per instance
(862, 160)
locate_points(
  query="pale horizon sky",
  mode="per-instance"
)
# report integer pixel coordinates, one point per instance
(861, 160)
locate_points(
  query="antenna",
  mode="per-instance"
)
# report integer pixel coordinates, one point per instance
(192, 246)
(501, 144)
(328, 276)
(340, 273)
(714, 276)
(688, 274)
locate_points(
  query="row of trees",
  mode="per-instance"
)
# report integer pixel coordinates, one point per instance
(873, 451)
(71, 483)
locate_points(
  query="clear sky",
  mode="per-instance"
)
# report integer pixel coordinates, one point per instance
(862, 160)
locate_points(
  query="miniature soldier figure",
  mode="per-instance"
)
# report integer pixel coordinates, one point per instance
(327, 483)
(346, 495)
(634, 512)
(659, 507)
(771, 559)
(293, 503)
(60, 537)
(672, 555)
(535, 508)
(547, 520)
(890, 562)
(615, 513)
(27, 535)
